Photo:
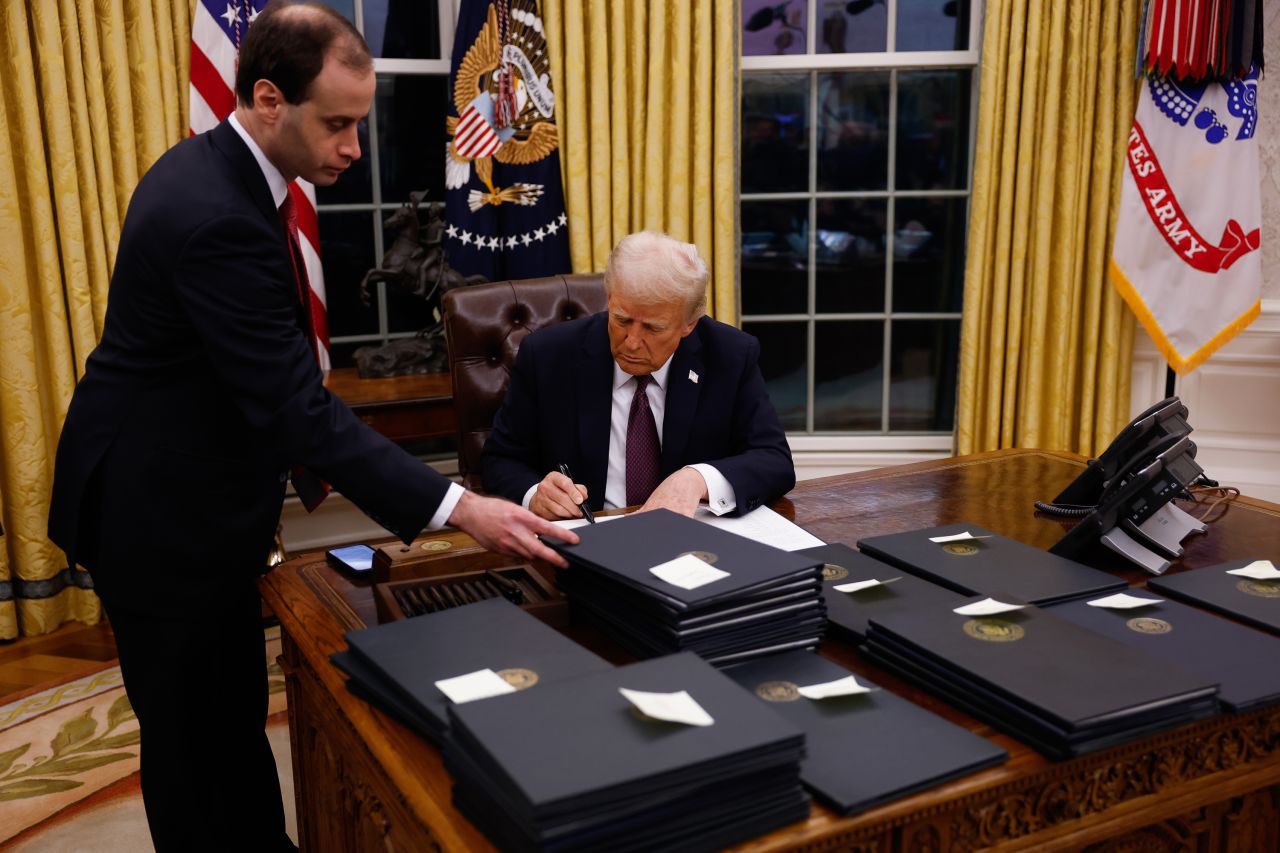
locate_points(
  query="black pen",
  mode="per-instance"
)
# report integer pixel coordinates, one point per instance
(586, 510)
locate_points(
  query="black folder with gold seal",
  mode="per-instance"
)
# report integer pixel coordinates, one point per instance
(865, 749)
(1255, 602)
(986, 562)
(848, 612)
(405, 659)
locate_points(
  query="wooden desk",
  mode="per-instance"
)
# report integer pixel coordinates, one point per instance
(364, 782)
(405, 409)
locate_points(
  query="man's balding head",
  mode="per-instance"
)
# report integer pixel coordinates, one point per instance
(288, 43)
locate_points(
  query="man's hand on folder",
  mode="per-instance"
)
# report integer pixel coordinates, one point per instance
(557, 496)
(507, 528)
(681, 492)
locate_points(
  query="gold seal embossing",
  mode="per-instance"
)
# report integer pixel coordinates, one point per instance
(778, 691)
(1149, 625)
(704, 556)
(994, 630)
(436, 545)
(960, 549)
(833, 572)
(1259, 589)
(518, 677)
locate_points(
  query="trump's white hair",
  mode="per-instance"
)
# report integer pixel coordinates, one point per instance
(654, 269)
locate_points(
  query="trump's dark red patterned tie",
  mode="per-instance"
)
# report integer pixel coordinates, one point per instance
(310, 488)
(643, 453)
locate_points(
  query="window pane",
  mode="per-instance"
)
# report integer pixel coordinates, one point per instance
(354, 186)
(856, 27)
(775, 257)
(347, 253)
(782, 362)
(848, 366)
(933, 129)
(850, 255)
(402, 29)
(411, 138)
(775, 133)
(770, 27)
(922, 395)
(928, 254)
(853, 130)
(933, 25)
(406, 311)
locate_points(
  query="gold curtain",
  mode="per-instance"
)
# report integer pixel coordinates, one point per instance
(1046, 341)
(91, 93)
(647, 110)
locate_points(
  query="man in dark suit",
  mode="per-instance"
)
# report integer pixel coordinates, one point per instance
(202, 394)
(702, 429)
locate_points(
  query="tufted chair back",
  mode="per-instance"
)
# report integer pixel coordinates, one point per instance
(485, 324)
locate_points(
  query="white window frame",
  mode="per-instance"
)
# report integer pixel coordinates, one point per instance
(831, 444)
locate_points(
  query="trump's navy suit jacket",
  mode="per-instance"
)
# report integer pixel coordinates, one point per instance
(558, 407)
(203, 391)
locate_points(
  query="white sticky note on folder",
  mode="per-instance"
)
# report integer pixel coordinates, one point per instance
(480, 684)
(687, 572)
(1123, 601)
(987, 607)
(858, 586)
(958, 537)
(677, 707)
(1259, 570)
(847, 686)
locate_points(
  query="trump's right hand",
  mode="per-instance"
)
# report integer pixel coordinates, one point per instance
(557, 496)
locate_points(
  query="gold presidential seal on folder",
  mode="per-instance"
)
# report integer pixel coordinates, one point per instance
(992, 630)
(519, 677)
(833, 572)
(1149, 625)
(961, 549)
(778, 691)
(1259, 589)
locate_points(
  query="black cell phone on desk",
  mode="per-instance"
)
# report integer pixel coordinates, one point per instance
(353, 560)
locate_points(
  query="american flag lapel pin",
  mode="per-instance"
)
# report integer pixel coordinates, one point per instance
(693, 377)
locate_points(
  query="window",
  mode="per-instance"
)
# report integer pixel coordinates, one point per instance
(403, 145)
(856, 157)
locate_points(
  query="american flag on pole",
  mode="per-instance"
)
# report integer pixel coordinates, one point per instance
(217, 28)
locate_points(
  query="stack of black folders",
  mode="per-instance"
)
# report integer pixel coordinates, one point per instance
(725, 597)
(1250, 600)
(1062, 689)
(852, 598)
(1244, 662)
(971, 560)
(396, 666)
(577, 766)
(867, 748)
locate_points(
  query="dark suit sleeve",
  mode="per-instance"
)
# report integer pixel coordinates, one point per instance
(758, 465)
(512, 453)
(230, 282)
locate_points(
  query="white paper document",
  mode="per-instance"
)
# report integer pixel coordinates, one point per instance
(480, 684)
(671, 707)
(1259, 570)
(856, 586)
(987, 607)
(847, 686)
(958, 537)
(1123, 601)
(687, 572)
(763, 525)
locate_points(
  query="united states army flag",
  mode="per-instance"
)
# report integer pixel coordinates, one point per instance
(1186, 253)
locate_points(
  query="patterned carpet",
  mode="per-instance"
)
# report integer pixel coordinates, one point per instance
(69, 765)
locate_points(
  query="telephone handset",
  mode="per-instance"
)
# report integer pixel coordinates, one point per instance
(1124, 496)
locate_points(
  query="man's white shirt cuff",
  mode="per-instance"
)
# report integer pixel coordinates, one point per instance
(528, 496)
(451, 498)
(720, 496)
